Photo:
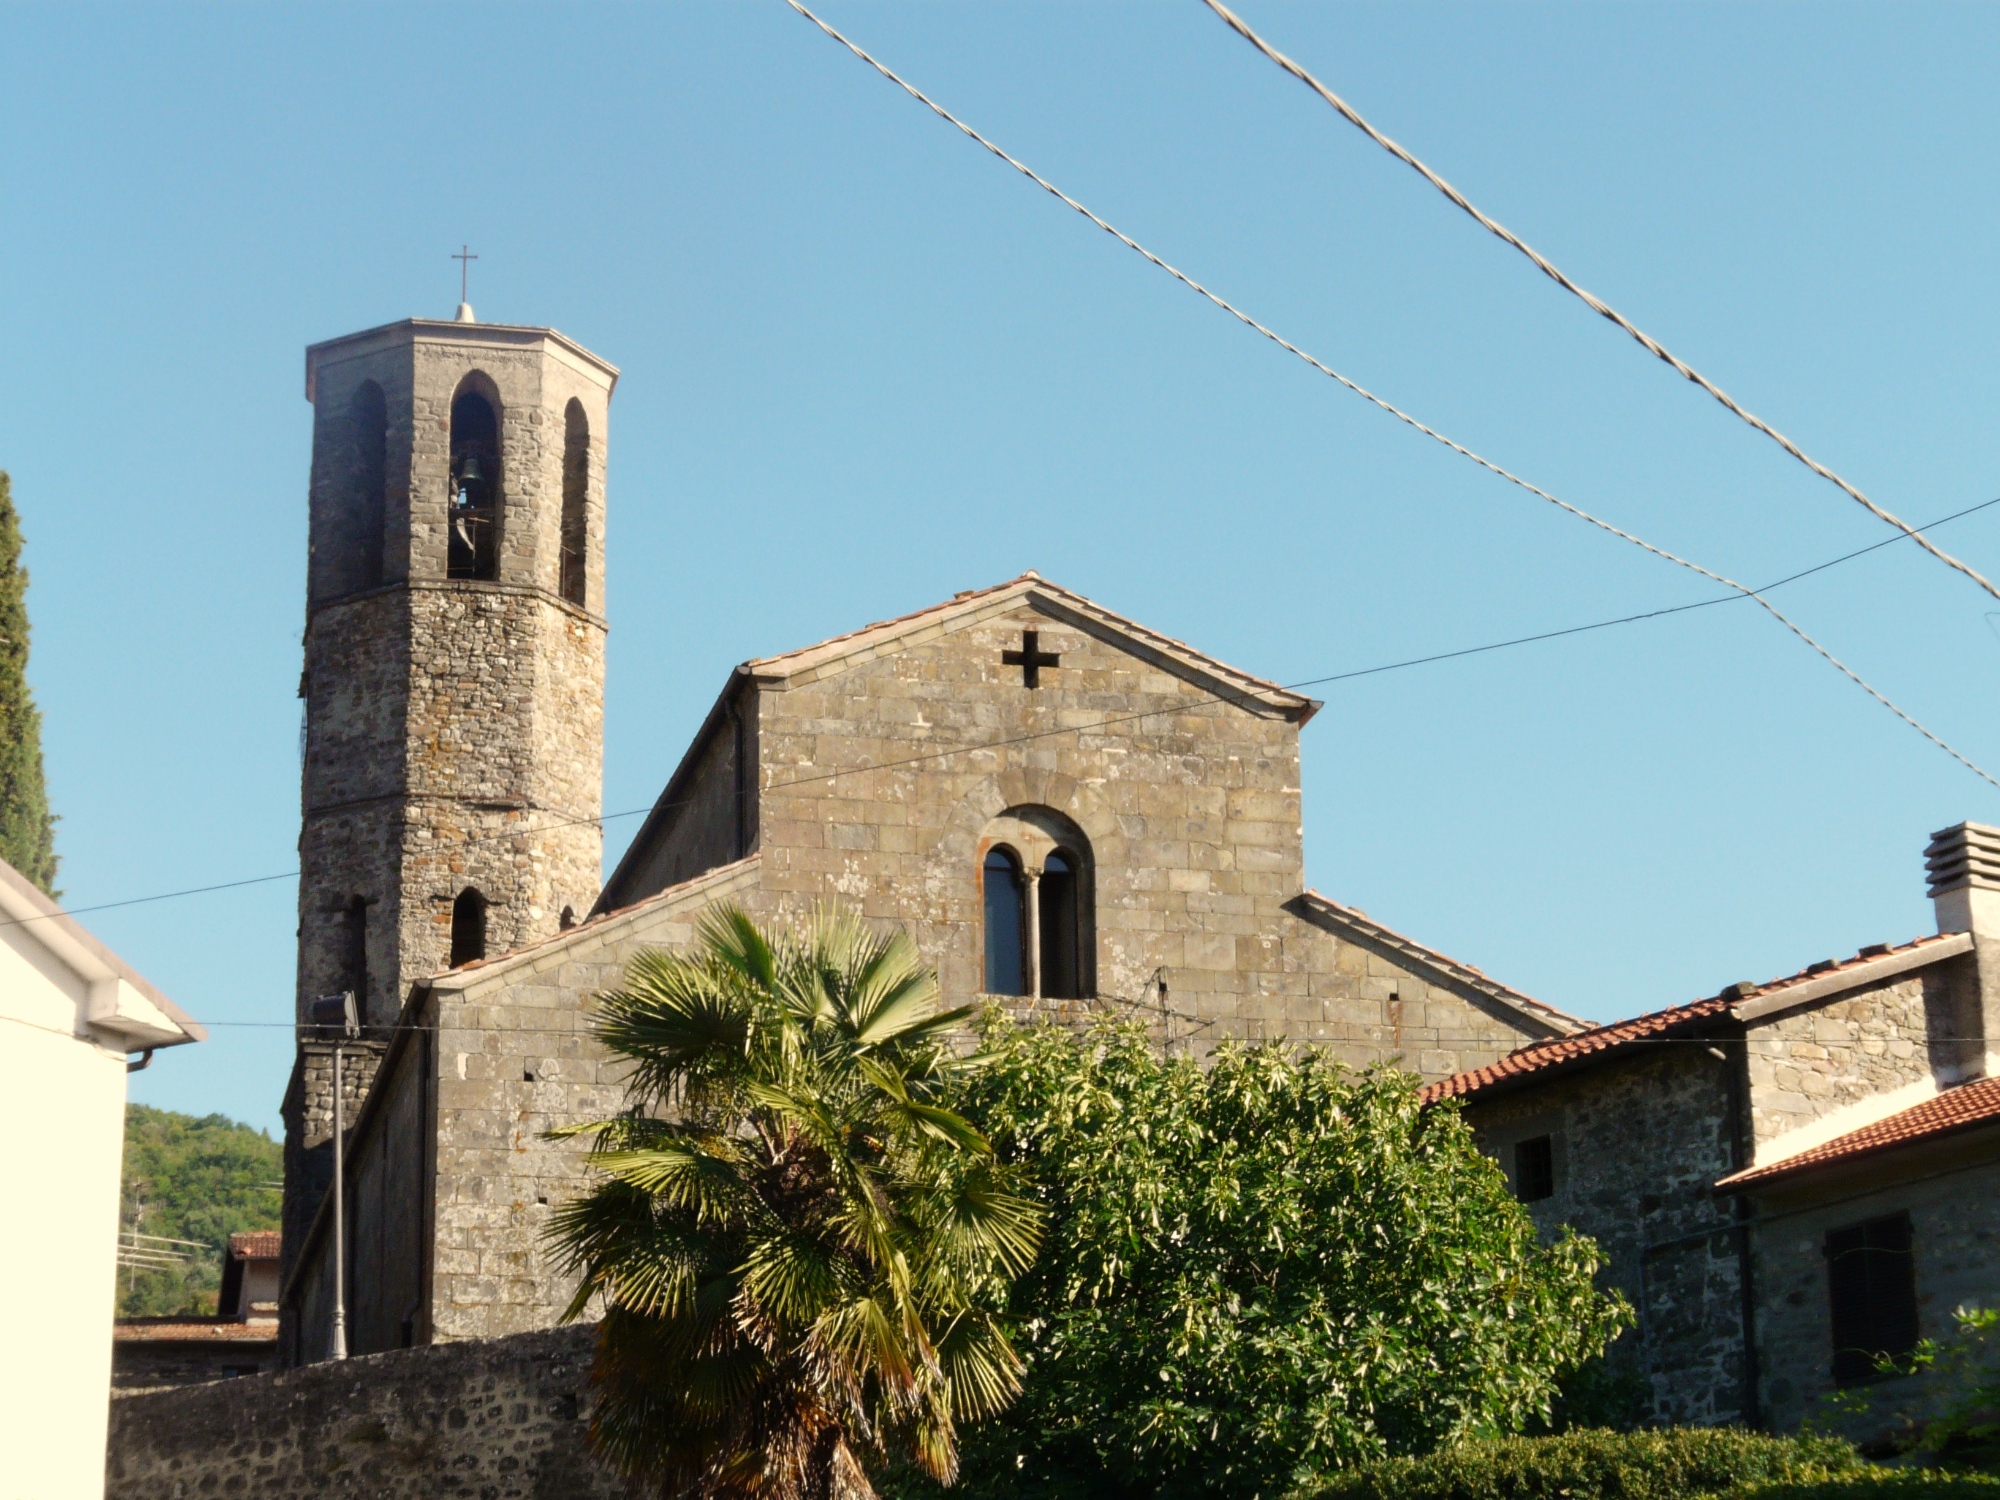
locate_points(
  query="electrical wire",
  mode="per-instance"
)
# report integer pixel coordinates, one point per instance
(1402, 416)
(1394, 666)
(1125, 1006)
(1596, 304)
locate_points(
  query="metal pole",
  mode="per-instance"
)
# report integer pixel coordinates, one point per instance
(339, 1223)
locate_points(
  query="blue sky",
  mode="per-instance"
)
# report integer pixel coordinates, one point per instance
(866, 366)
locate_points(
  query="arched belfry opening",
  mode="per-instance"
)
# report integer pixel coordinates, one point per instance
(473, 545)
(468, 927)
(575, 502)
(1038, 882)
(369, 415)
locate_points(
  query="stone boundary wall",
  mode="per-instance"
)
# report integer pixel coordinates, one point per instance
(500, 1419)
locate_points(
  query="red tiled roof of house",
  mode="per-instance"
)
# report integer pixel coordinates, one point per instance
(255, 1244)
(194, 1330)
(1538, 1055)
(1955, 1109)
(1657, 1024)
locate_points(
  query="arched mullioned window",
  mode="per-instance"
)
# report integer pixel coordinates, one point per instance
(1006, 924)
(468, 927)
(576, 493)
(1039, 887)
(473, 548)
(371, 483)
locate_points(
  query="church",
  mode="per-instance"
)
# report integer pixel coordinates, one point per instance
(1067, 811)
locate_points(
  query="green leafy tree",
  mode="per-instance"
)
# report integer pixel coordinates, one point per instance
(27, 831)
(196, 1178)
(1259, 1271)
(799, 1252)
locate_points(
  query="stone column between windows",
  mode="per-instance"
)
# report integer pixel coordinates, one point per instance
(1031, 961)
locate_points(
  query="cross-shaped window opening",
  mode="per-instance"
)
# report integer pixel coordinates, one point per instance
(1030, 658)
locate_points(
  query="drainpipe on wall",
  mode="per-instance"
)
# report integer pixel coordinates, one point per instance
(1741, 1147)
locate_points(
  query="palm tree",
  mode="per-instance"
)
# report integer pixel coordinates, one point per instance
(799, 1252)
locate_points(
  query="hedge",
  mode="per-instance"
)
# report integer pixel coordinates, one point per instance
(1603, 1465)
(1883, 1484)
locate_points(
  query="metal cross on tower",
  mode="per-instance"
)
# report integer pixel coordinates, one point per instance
(465, 257)
(1030, 658)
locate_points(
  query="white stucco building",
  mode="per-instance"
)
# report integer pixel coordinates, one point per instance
(72, 1013)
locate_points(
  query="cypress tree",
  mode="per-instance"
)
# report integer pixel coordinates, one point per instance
(27, 831)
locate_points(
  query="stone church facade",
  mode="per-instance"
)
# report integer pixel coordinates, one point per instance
(1068, 812)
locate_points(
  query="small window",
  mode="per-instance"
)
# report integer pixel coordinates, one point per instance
(1535, 1169)
(1872, 1285)
(1059, 894)
(575, 497)
(1006, 925)
(468, 927)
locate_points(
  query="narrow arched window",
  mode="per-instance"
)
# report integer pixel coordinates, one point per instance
(371, 483)
(473, 550)
(576, 493)
(355, 965)
(1006, 925)
(468, 927)
(1059, 897)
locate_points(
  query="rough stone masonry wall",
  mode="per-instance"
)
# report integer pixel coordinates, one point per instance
(1637, 1146)
(505, 755)
(1811, 1062)
(1955, 1240)
(516, 1059)
(308, 1115)
(505, 1420)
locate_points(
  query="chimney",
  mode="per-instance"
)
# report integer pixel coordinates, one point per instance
(1963, 867)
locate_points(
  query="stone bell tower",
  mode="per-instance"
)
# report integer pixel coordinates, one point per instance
(454, 672)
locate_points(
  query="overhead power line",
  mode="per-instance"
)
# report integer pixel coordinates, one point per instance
(1596, 304)
(1402, 416)
(1375, 671)
(1738, 591)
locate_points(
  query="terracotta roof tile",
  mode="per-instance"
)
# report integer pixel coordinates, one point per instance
(255, 1244)
(194, 1330)
(898, 622)
(1956, 1109)
(1660, 1023)
(1538, 1055)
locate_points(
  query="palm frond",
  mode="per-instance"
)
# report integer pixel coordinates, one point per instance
(982, 1372)
(703, 1177)
(796, 1245)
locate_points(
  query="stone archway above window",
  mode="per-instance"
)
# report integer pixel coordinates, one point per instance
(1038, 898)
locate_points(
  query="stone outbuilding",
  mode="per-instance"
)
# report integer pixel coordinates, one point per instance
(1791, 1179)
(149, 1354)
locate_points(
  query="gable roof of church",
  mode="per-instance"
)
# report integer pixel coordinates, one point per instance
(841, 652)
(1358, 927)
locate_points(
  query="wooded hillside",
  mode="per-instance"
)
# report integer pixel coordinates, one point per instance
(198, 1178)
